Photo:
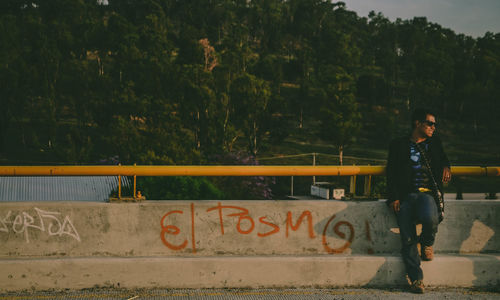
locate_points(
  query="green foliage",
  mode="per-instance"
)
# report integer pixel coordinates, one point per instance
(339, 115)
(340, 120)
(177, 82)
(379, 187)
(242, 187)
(250, 96)
(178, 188)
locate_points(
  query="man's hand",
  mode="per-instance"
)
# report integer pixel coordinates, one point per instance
(446, 175)
(395, 205)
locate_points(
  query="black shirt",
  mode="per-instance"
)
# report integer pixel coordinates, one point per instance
(420, 174)
(399, 170)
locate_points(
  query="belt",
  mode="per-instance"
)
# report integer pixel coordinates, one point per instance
(423, 190)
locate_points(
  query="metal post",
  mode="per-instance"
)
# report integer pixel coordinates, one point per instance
(314, 163)
(368, 183)
(119, 185)
(352, 186)
(135, 185)
(291, 186)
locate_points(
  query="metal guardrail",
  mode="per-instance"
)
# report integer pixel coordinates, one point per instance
(219, 170)
(190, 170)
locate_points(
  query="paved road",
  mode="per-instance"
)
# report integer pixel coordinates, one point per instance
(251, 294)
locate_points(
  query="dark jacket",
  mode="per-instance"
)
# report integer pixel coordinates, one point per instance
(399, 169)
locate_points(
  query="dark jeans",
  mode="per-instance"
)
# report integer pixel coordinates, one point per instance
(417, 208)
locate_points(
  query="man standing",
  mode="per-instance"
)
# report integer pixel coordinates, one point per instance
(410, 188)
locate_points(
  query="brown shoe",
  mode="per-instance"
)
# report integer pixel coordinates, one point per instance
(417, 287)
(427, 253)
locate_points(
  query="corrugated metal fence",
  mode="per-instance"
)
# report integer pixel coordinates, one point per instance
(59, 188)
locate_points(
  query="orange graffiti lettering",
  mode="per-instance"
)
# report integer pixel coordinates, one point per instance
(340, 234)
(245, 224)
(289, 223)
(238, 226)
(243, 215)
(171, 229)
(275, 230)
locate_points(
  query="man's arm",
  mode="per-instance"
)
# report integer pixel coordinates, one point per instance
(445, 163)
(446, 174)
(395, 205)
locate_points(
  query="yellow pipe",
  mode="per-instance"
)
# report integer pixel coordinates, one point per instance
(190, 170)
(471, 171)
(219, 170)
(493, 171)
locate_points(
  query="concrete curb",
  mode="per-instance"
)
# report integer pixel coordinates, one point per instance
(242, 271)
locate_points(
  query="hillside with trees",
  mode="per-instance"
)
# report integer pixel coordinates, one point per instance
(198, 82)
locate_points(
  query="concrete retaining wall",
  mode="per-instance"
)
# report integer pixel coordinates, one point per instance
(205, 244)
(212, 228)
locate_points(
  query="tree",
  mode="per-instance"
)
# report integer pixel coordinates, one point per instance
(339, 116)
(250, 96)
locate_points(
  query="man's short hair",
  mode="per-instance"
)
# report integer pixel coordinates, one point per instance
(420, 114)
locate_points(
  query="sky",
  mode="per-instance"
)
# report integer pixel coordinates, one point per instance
(470, 17)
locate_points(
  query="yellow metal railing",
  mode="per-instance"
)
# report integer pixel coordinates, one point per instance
(135, 171)
(190, 170)
(220, 170)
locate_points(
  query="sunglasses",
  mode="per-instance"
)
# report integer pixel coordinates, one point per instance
(429, 123)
